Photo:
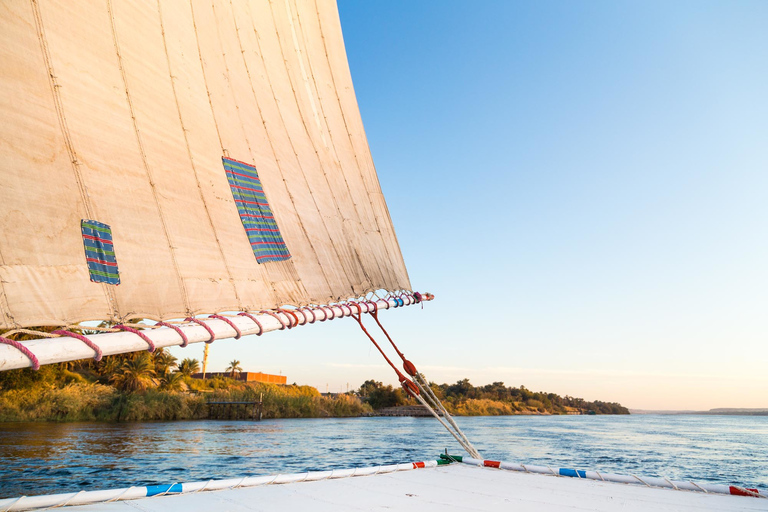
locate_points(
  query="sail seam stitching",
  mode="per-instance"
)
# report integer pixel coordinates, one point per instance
(317, 155)
(144, 160)
(262, 274)
(186, 139)
(269, 139)
(333, 145)
(109, 293)
(331, 291)
(360, 163)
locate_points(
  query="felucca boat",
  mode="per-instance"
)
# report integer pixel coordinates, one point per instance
(203, 166)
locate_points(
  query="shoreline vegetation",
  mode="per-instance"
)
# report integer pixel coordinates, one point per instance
(151, 387)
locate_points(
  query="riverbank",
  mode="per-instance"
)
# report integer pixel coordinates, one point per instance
(98, 402)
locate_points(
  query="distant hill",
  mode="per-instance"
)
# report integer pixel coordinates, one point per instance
(725, 411)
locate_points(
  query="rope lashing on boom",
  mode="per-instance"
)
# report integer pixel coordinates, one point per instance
(92, 345)
(421, 390)
(277, 317)
(184, 339)
(230, 323)
(254, 320)
(24, 350)
(150, 343)
(203, 325)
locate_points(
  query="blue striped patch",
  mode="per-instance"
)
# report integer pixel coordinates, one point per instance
(266, 241)
(99, 252)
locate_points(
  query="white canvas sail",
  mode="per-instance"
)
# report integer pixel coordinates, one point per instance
(120, 113)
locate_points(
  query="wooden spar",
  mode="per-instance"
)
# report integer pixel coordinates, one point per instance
(62, 349)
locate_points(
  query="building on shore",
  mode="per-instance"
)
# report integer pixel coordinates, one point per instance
(246, 377)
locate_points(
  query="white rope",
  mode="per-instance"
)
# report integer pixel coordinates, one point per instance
(423, 385)
(468, 449)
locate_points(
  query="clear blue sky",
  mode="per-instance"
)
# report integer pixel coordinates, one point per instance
(584, 187)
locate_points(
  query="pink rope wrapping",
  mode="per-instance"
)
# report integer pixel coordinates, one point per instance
(24, 350)
(342, 306)
(274, 315)
(330, 308)
(82, 338)
(230, 322)
(375, 306)
(184, 339)
(202, 324)
(320, 308)
(121, 327)
(306, 318)
(254, 320)
(289, 314)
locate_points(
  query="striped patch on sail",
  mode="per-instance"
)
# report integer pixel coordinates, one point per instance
(99, 252)
(259, 222)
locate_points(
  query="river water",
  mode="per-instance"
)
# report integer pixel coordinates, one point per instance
(44, 458)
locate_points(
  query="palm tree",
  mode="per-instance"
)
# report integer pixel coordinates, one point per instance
(163, 361)
(171, 381)
(234, 367)
(136, 373)
(189, 366)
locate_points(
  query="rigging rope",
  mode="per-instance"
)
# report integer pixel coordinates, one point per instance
(418, 388)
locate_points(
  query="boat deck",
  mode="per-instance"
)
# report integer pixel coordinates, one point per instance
(456, 487)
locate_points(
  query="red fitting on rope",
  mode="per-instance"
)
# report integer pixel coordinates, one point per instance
(24, 350)
(184, 340)
(204, 325)
(409, 386)
(229, 322)
(254, 320)
(149, 342)
(91, 345)
(289, 314)
(375, 307)
(409, 368)
(273, 315)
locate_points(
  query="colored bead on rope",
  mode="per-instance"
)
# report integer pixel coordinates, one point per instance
(184, 339)
(149, 342)
(203, 325)
(91, 345)
(24, 350)
(254, 320)
(230, 323)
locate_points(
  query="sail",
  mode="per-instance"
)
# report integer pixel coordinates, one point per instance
(160, 159)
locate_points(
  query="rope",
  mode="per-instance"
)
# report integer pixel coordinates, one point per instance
(273, 315)
(24, 350)
(406, 383)
(229, 322)
(92, 345)
(289, 314)
(417, 390)
(254, 320)
(184, 339)
(121, 327)
(427, 390)
(31, 332)
(204, 325)
(420, 390)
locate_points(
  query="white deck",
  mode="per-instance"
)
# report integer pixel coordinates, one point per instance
(458, 487)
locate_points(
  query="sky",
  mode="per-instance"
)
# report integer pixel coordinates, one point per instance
(582, 185)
